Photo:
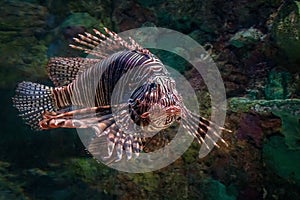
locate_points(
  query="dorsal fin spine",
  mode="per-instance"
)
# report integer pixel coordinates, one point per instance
(88, 39)
(102, 45)
(83, 42)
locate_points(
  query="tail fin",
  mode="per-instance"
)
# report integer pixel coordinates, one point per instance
(32, 100)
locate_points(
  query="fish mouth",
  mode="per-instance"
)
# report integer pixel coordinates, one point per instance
(159, 118)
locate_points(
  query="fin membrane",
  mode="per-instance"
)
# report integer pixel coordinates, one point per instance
(63, 71)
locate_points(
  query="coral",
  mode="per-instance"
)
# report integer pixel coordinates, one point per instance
(285, 162)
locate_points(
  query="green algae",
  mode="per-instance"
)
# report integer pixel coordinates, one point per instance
(100, 10)
(23, 58)
(10, 186)
(290, 129)
(278, 157)
(286, 30)
(298, 5)
(288, 106)
(246, 37)
(278, 85)
(21, 16)
(215, 190)
(172, 59)
(72, 179)
(87, 170)
(23, 54)
(147, 181)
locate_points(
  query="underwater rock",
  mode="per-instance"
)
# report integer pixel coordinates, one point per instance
(185, 16)
(282, 160)
(67, 180)
(87, 170)
(214, 190)
(139, 186)
(246, 37)
(149, 3)
(200, 36)
(250, 129)
(173, 59)
(22, 17)
(24, 55)
(71, 26)
(240, 164)
(286, 31)
(219, 167)
(72, 31)
(10, 186)
(288, 110)
(79, 19)
(278, 85)
(99, 9)
(290, 129)
(129, 14)
(289, 106)
(249, 193)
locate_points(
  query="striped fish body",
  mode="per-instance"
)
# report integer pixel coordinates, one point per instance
(100, 79)
(146, 77)
(124, 96)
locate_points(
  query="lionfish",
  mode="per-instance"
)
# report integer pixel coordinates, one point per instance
(82, 96)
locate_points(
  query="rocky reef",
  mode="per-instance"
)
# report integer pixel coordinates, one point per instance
(17, 37)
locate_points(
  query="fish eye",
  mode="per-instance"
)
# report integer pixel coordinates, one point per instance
(153, 85)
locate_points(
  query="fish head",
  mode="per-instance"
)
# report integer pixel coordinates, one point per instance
(156, 105)
(160, 117)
